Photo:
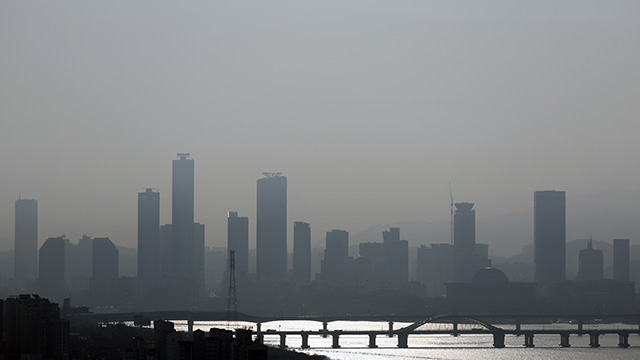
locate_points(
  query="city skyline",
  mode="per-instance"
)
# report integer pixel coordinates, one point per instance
(319, 244)
(369, 118)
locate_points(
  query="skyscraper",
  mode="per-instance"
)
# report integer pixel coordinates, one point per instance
(238, 241)
(51, 269)
(590, 264)
(549, 243)
(271, 228)
(26, 243)
(148, 236)
(182, 218)
(621, 259)
(301, 252)
(464, 242)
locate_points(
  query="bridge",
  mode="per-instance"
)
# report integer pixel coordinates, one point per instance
(498, 334)
(402, 334)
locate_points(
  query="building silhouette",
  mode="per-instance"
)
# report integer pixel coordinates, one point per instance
(435, 268)
(464, 242)
(621, 259)
(198, 256)
(336, 265)
(78, 263)
(489, 289)
(182, 201)
(271, 230)
(549, 231)
(301, 252)
(238, 241)
(34, 329)
(396, 257)
(384, 264)
(51, 269)
(166, 250)
(26, 243)
(105, 259)
(148, 236)
(105, 269)
(590, 263)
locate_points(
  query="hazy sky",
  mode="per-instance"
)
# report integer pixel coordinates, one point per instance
(370, 108)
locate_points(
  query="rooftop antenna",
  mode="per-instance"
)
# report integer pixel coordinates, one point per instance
(451, 197)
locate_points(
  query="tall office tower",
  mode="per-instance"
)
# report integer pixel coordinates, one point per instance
(396, 254)
(335, 267)
(148, 236)
(26, 243)
(51, 269)
(621, 259)
(435, 268)
(549, 243)
(464, 242)
(166, 250)
(301, 252)
(182, 218)
(271, 234)
(198, 255)
(590, 264)
(34, 329)
(238, 241)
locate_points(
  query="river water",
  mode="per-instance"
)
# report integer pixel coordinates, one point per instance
(441, 347)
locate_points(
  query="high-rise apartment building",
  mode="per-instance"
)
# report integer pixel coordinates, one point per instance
(51, 269)
(271, 230)
(238, 241)
(148, 236)
(549, 242)
(464, 242)
(34, 329)
(301, 252)
(26, 243)
(182, 202)
(621, 259)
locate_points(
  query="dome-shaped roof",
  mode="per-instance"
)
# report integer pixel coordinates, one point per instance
(489, 274)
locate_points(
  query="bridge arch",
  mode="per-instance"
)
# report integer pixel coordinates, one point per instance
(452, 318)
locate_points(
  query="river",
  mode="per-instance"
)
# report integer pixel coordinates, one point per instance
(441, 347)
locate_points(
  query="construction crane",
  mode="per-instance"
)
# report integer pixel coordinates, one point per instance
(451, 197)
(232, 301)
